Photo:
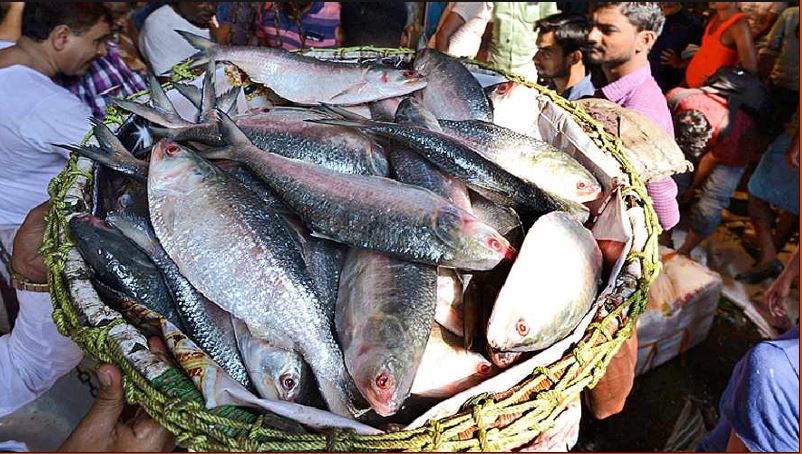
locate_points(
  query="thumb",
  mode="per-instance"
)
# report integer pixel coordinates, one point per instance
(110, 399)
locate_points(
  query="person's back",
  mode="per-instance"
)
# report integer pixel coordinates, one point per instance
(512, 46)
(760, 406)
(298, 25)
(726, 42)
(160, 45)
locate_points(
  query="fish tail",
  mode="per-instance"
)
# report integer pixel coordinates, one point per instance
(205, 47)
(162, 113)
(111, 153)
(339, 112)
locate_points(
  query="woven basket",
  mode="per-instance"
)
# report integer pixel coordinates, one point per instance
(489, 421)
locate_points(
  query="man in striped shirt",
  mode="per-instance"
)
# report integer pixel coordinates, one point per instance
(299, 25)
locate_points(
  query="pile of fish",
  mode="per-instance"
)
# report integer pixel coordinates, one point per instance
(322, 257)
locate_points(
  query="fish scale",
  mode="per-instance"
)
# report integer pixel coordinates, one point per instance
(242, 257)
(206, 324)
(373, 212)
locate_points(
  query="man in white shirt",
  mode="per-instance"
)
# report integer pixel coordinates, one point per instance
(159, 43)
(57, 38)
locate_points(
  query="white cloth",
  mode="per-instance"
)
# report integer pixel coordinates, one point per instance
(34, 355)
(160, 45)
(466, 40)
(35, 114)
(4, 44)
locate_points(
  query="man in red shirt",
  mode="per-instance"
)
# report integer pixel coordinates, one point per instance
(723, 159)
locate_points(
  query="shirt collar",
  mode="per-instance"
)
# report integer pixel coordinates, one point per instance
(621, 88)
(583, 88)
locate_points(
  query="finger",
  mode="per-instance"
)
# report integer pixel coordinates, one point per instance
(152, 436)
(108, 406)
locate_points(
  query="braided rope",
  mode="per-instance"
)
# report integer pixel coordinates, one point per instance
(531, 407)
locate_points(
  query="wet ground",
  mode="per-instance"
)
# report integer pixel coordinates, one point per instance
(672, 406)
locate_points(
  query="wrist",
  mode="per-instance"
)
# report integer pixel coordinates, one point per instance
(20, 281)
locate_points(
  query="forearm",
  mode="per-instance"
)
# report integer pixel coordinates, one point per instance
(34, 355)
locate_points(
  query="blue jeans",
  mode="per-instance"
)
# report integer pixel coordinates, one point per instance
(716, 193)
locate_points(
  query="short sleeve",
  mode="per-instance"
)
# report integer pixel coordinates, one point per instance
(470, 10)
(763, 403)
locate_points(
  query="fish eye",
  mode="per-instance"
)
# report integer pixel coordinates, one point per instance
(171, 149)
(581, 185)
(287, 382)
(522, 328)
(495, 244)
(382, 381)
(503, 88)
(409, 74)
(484, 369)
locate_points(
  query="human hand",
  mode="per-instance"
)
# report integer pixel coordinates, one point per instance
(774, 298)
(670, 58)
(101, 430)
(25, 258)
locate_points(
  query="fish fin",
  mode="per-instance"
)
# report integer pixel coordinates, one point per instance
(205, 47)
(351, 123)
(151, 113)
(340, 112)
(227, 102)
(224, 152)
(158, 98)
(352, 90)
(189, 91)
(322, 236)
(208, 98)
(231, 133)
(110, 153)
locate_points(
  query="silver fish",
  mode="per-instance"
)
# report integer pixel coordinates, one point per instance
(306, 80)
(245, 259)
(458, 159)
(551, 286)
(447, 369)
(373, 212)
(385, 311)
(530, 159)
(206, 324)
(276, 373)
(412, 168)
(118, 264)
(452, 92)
(281, 130)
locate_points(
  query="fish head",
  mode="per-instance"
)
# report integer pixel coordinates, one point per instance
(89, 229)
(175, 168)
(500, 91)
(378, 379)
(289, 382)
(427, 59)
(560, 174)
(477, 244)
(508, 329)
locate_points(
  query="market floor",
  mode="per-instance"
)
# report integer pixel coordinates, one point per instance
(672, 406)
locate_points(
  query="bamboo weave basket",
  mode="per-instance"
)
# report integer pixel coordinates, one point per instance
(487, 422)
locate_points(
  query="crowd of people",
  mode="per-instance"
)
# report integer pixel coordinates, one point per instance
(723, 80)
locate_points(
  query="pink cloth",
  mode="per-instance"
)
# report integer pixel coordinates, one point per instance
(639, 91)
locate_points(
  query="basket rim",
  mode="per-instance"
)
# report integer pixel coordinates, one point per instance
(537, 400)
